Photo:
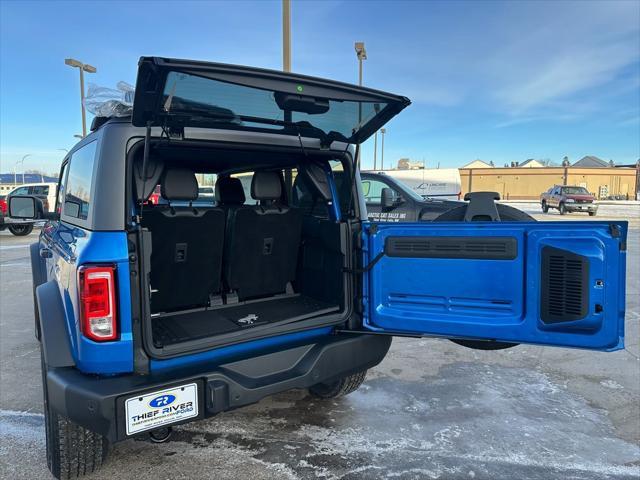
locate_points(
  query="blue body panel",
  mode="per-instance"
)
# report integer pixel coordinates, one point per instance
(225, 354)
(73, 247)
(495, 299)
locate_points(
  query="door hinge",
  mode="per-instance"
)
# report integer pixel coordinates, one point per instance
(616, 232)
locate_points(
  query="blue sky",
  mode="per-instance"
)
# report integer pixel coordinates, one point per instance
(500, 81)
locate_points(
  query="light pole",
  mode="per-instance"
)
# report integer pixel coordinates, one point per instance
(361, 53)
(286, 35)
(20, 162)
(375, 149)
(83, 67)
(382, 132)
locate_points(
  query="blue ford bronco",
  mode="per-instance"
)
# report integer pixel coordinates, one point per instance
(151, 315)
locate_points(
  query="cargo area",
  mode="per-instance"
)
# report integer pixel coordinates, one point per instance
(256, 252)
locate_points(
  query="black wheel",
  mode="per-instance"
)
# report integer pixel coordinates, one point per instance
(507, 214)
(592, 214)
(339, 388)
(563, 209)
(21, 230)
(72, 450)
(545, 207)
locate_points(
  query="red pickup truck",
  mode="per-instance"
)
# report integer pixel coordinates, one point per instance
(568, 198)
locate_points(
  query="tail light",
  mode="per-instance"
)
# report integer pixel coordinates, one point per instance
(98, 302)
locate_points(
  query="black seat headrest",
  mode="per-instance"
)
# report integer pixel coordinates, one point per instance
(316, 180)
(229, 191)
(179, 184)
(266, 186)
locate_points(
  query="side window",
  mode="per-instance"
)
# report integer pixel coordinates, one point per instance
(77, 197)
(62, 181)
(21, 191)
(372, 190)
(40, 190)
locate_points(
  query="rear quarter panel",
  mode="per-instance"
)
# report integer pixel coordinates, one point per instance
(73, 247)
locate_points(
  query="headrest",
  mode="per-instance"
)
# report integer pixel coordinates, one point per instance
(316, 180)
(229, 191)
(266, 186)
(179, 184)
(154, 171)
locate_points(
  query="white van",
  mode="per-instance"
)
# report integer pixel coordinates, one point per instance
(441, 183)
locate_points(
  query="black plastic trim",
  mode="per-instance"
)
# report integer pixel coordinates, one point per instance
(97, 403)
(478, 248)
(54, 338)
(564, 282)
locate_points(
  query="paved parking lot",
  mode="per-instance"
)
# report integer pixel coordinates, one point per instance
(432, 409)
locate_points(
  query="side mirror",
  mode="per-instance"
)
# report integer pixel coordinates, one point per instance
(23, 207)
(389, 198)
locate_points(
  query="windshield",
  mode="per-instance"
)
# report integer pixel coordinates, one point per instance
(249, 106)
(575, 191)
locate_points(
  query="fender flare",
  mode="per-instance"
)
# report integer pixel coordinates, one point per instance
(56, 347)
(38, 267)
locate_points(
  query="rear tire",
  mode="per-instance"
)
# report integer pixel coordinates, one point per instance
(21, 230)
(72, 450)
(339, 388)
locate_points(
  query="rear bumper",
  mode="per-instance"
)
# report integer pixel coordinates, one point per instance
(97, 403)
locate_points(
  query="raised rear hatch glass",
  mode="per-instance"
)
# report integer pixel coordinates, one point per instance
(179, 93)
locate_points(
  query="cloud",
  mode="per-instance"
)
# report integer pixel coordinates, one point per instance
(568, 73)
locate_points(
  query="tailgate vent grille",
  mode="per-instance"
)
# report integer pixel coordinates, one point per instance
(564, 283)
(487, 248)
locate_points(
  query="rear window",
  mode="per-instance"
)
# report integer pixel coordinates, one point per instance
(77, 198)
(232, 103)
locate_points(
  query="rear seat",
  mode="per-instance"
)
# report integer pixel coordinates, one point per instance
(262, 241)
(187, 246)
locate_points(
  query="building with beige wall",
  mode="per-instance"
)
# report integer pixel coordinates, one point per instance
(529, 183)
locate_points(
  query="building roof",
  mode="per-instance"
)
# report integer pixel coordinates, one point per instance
(591, 162)
(531, 163)
(8, 178)
(477, 164)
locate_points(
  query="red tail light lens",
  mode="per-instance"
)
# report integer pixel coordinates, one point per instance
(98, 303)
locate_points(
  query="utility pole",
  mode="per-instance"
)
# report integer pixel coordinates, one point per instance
(286, 35)
(83, 67)
(382, 132)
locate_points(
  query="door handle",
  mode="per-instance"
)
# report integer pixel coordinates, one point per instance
(45, 253)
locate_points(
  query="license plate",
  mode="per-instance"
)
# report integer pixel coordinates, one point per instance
(153, 410)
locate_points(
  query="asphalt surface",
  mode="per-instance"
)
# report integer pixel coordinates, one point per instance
(432, 409)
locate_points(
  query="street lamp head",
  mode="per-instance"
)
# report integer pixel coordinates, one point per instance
(383, 131)
(360, 51)
(89, 69)
(72, 62)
